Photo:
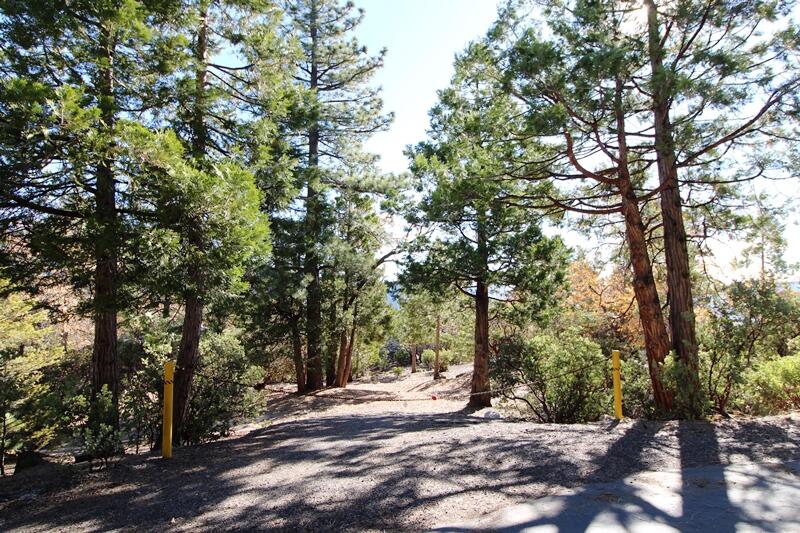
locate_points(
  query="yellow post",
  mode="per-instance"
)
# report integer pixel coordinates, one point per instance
(166, 430)
(615, 367)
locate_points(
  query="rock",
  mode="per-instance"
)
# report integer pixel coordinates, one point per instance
(488, 412)
(28, 459)
(83, 457)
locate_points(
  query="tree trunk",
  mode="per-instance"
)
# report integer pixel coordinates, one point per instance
(646, 294)
(436, 358)
(105, 371)
(199, 130)
(313, 236)
(3, 447)
(341, 365)
(413, 358)
(480, 371)
(297, 357)
(348, 365)
(188, 357)
(644, 286)
(679, 282)
(480, 395)
(331, 356)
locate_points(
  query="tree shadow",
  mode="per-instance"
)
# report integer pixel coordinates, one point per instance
(349, 473)
(319, 401)
(701, 502)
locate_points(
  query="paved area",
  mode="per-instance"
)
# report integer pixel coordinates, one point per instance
(721, 499)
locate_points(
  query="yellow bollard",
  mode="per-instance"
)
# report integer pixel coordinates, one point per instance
(615, 367)
(166, 430)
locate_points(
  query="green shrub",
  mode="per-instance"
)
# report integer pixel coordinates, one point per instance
(445, 356)
(562, 379)
(99, 437)
(141, 402)
(221, 391)
(688, 402)
(429, 358)
(398, 371)
(147, 345)
(637, 392)
(751, 321)
(772, 387)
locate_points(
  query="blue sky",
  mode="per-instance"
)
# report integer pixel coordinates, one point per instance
(422, 37)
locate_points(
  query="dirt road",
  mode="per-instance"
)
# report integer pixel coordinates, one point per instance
(383, 456)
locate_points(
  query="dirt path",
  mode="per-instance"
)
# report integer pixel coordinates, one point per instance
(384, 456)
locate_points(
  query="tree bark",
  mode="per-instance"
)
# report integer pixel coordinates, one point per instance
(3, 447)
(341, 365)
(413, 358)
(679, 282)
(481, 392)
(313, 235)
(348, 368)
(297, 358)
(199, 131)
(481, 389)
(436, 358)
(188, 357)
(331, 356)
(644, 286)
(105, 371)
(348, 365)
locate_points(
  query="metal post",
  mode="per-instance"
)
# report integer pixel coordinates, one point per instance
(166, 430)
(615, 367)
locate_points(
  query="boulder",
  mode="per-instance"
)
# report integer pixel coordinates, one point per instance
(28, 459)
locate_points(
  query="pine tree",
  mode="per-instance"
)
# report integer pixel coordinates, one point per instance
(230, 94)
(73, 75)
(355, 270)
(340, 110)
(710, 61)
(487, 248)
(577, 84)
(275, 308)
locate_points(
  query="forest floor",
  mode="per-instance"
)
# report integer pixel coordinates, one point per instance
(379, 455)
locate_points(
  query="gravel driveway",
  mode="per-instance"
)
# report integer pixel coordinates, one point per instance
(383, 456)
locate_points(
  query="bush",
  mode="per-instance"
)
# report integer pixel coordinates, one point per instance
(562, 378)
(772, 387)
(429, 358)
(222, 389)
(99, 437)
(749, 322)
(393, 353)
(219, 393)
(397, 371)
(688, 402)
(637, 391)
(146, 346)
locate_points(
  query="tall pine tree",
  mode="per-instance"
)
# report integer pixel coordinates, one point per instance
(340, 110)
(73, 75)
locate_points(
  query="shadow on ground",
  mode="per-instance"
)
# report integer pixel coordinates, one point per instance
(396, 472)
(695, 498)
